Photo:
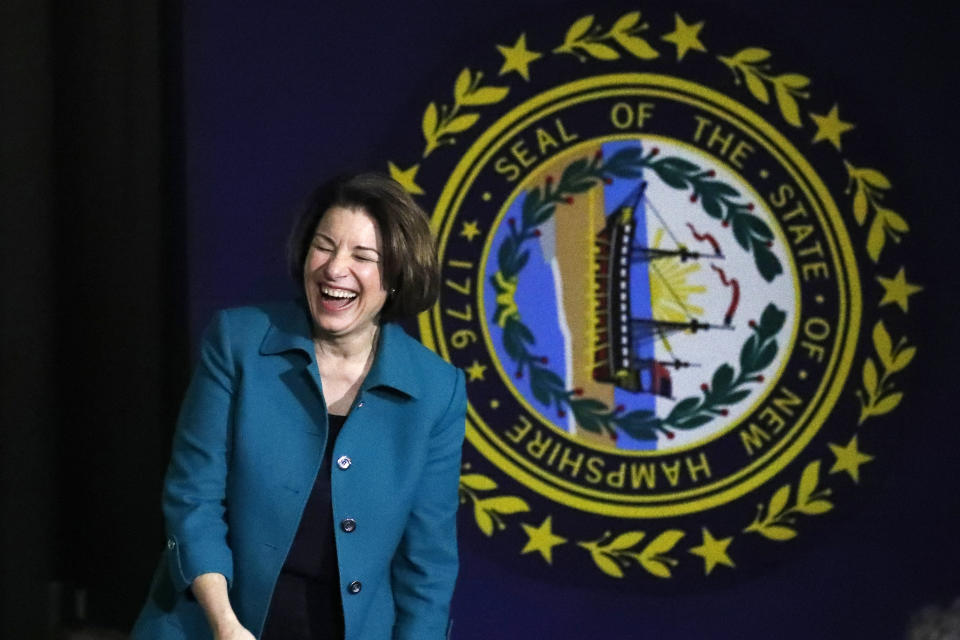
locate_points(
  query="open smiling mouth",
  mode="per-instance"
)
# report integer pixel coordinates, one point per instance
(334, 299)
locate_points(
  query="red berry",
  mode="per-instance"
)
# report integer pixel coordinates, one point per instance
(769, 243)
(654, 151)
(753, 324)
(569, 199)
(704, 387)
(759, 378)
(608, 181)
(598, 154)
(693, 198)
(725, 223)
(519, 374)
(750, 207)
(711, 173)
(669, 435)
(723, 412)
(512, 222)
(536, 233)
(561, 413)
(544, 360)
(619, 408)
(549, 179)
(578, 391)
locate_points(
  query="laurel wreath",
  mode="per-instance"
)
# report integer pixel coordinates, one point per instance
(868, 186)
(584, 38)
(539, 206)
(776, 522)
(439, 124)
(488, 511)
(878, 395)
(751, 65)
(613, 555)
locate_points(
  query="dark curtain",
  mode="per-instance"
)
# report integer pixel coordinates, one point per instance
(92, 318)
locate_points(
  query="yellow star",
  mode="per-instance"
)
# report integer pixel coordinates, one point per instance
(542, 539)
(406, 178)
(713, 552)
(830, 127)
(897, 289)
(849, 459)
(476, 371)
(470, 230)
(685, 36)
(518, 57)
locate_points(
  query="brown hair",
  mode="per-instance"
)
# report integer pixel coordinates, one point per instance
(410, 270)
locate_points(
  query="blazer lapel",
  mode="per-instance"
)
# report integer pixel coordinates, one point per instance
(393, 366)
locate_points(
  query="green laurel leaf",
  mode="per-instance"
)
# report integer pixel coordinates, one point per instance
(722, 378)
(678, 165)
(736, 396)
(682, 408)
(675, 180)
(691, 423)
(767, 264)
(766, 355)
(713, 208)
(771, 320)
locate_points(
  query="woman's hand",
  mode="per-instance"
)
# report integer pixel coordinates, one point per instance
(210, 590)
(235, 631)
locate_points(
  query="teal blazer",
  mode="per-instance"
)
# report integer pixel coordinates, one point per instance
(245, 455)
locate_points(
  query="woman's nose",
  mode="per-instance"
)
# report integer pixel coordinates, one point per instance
(336, 266)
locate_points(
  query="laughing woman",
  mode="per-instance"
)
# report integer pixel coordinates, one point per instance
(312, 487)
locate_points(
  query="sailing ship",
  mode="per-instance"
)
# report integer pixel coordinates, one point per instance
(623, 353)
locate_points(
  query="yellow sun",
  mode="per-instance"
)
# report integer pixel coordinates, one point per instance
(669, 290)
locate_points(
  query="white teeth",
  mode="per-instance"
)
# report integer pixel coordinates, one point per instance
(338, 293)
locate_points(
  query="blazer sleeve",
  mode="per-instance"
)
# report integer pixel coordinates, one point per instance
(425, 565)
(194, 495)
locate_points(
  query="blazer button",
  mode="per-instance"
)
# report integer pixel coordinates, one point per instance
(344, 462)
(354, 587)
(359, 404)
(171, 544)
(348, 525)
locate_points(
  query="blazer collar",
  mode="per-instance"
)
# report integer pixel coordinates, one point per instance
(392, 366)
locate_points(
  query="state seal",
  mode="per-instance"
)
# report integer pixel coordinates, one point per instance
(657, 298)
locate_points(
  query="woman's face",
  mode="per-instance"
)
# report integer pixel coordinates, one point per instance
(343, 274)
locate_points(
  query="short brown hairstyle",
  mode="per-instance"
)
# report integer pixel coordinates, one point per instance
(410, 270)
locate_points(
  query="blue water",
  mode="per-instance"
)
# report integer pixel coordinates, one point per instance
(537, 304)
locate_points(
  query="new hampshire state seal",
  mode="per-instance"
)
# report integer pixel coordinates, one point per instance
(663, 296)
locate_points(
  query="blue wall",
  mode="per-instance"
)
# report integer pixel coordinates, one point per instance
(279, 97)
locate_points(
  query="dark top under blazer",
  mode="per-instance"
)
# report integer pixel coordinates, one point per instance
(246, 452)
